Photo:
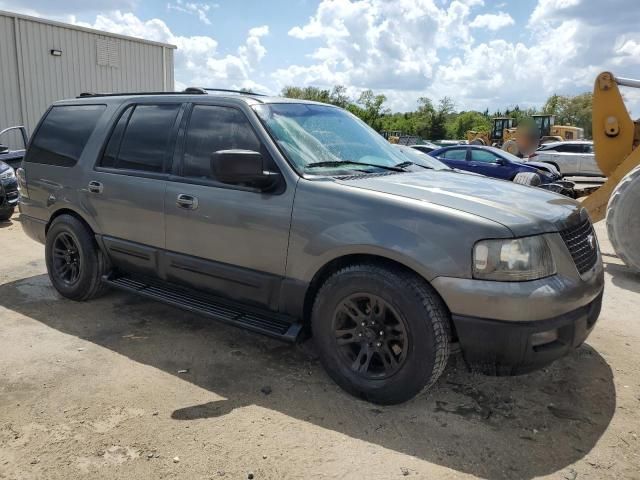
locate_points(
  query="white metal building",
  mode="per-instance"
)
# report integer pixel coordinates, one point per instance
(42, 61)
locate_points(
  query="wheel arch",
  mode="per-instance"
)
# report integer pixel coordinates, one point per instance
(338, 263)
(68, 211)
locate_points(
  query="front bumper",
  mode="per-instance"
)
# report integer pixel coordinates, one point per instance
(495, 321)
(508, 348)
(8, 193)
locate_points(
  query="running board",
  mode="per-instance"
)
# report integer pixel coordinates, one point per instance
(256, 320)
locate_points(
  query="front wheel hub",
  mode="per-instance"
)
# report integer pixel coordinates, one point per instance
(371, 337)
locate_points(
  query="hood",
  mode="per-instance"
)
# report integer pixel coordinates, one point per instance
(524, 210)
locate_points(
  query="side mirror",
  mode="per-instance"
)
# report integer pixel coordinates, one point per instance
(501, 161)
(242, 167)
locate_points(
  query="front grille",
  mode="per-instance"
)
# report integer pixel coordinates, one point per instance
(582, 244)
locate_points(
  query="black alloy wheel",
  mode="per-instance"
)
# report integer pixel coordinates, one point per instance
(371, 337)
(66, 258)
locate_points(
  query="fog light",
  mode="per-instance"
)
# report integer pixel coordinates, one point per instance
(542, 338)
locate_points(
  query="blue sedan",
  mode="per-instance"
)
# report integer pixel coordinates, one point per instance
(496, 163)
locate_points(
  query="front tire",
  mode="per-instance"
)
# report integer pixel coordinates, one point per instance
(6, 213)
(623, 226)
(528, 178)
(382, 333)
(74, 262)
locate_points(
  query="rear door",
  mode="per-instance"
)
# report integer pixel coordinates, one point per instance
(568, 157)
(488, 163)
(588, 165)
(228, 239)
(125, 190)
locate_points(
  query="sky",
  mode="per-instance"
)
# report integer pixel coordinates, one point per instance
(482, 53)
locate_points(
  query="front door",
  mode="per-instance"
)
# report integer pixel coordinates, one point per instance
(231, 240)
(488, 163)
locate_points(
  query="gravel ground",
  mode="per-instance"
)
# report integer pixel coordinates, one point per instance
(123, 388)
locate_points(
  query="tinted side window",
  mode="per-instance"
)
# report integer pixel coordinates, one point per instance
(211, 129)
(63, 134)
(587, 148)
(459, 154)
(569, 148)
(146, 141)
(483, 156)
(113, 147)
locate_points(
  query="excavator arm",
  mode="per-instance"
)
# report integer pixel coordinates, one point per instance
(615, 139)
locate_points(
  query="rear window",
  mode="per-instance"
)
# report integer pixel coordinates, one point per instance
(63, 134)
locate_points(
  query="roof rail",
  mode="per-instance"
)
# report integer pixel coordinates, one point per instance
(120, 94)
(186, 91)
(226, 90)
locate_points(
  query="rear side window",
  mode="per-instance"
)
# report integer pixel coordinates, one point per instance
(483, 156)
(211, 129)
(63, 134)
(142, 139)
(459, 154)
(569, 148)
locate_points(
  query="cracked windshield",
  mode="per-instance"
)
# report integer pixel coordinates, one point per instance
(327, 140)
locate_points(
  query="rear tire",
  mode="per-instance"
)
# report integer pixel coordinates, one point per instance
(6, 213)
(75, 263)
(623, 223)
(382, 333)
(527, 178)
(511, 146)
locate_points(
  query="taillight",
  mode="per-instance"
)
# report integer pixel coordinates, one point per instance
(21, 175)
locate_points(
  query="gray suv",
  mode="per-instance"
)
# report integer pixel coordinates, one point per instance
(288, 218)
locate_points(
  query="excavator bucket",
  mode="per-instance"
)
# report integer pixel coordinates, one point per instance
(615, 139)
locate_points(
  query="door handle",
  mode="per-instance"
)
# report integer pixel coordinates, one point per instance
(95, 187)
(187, 201)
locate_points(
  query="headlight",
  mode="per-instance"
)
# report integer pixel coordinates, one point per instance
(9, 173)
(513, 260)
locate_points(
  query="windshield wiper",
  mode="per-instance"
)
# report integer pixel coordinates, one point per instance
(408, 164)
(338, 163)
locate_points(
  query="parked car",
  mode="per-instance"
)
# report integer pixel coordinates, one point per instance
(421, 159)
(496, 163)
(12, 157)
(426, 147)
(574, 158)
(427, 161)
(284, 216)
(8, 192)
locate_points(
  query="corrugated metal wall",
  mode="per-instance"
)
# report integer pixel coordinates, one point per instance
(31, 78)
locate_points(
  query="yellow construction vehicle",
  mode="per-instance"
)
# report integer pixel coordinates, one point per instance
(503, 132)
(525, 138)
(616, 138)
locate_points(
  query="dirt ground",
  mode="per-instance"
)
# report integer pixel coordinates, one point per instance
(124, 388)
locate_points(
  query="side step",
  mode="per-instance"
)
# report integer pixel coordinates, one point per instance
(254, 319)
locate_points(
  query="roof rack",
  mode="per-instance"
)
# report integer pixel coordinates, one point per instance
(120, 94)
(225, 90)
(186, 91)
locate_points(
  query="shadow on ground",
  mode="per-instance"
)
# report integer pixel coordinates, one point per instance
(494, 428)
(623, 277)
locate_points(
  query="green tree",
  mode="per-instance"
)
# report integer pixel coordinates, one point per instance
(439, 118)
(465, 121)
(372, 108)
(572, 110)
